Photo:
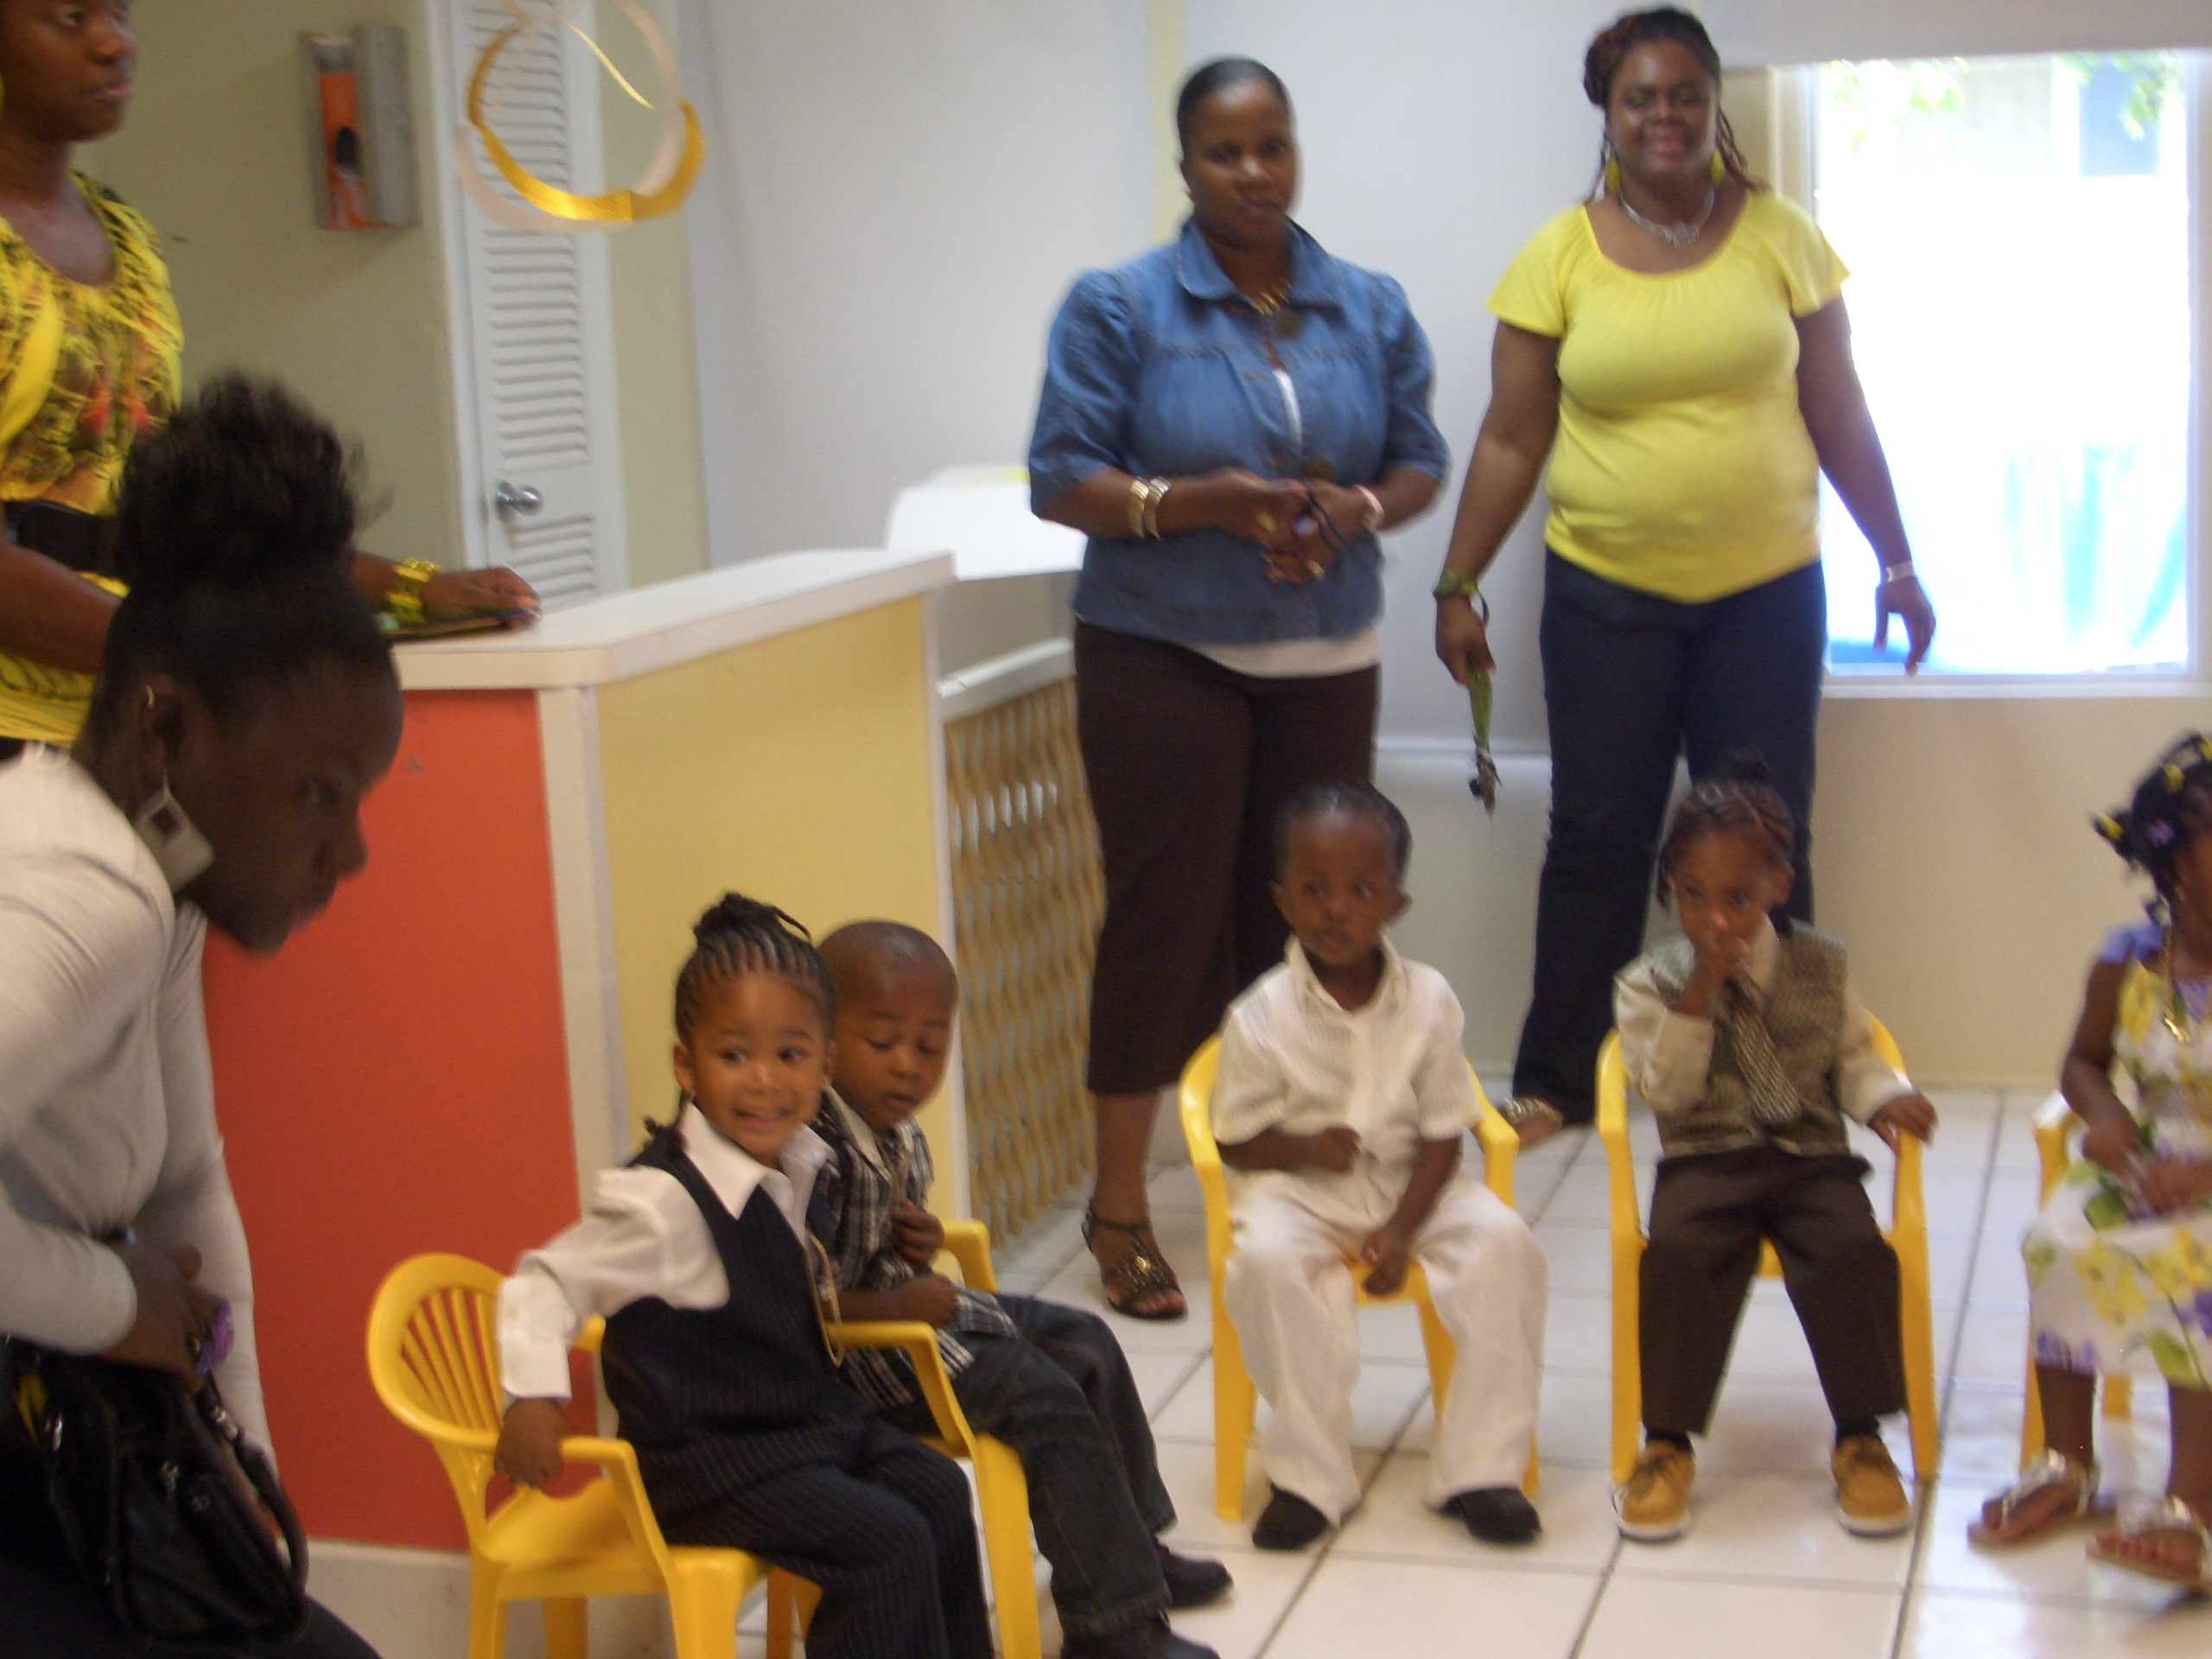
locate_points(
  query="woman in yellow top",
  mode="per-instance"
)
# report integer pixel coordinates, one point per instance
(1678, 348)
(89, 361)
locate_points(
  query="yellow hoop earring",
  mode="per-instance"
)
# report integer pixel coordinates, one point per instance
(1720, 168)
(1613, 172)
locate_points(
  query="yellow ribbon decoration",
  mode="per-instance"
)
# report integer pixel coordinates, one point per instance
(565, 210)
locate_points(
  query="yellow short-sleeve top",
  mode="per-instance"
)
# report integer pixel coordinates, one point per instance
(1681, 467)
(84, 373)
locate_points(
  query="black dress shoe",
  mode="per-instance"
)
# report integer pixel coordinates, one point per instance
(1496, 1515)
(1288, 1522)
(1192, 1580)
(1151, 1640)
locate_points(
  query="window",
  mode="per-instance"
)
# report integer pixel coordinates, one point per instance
(2018, 231)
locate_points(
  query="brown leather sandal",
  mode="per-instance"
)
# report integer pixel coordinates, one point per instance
(1143, 1272)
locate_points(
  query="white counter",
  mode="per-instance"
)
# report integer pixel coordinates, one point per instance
(625, 635)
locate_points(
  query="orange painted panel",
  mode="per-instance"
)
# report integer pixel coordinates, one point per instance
(397, 1081)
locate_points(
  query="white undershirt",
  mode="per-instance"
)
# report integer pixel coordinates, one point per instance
(107, 1113)
(644, 1235)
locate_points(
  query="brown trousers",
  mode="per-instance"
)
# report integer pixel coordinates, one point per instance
(1708, 1214)
(1188, 764)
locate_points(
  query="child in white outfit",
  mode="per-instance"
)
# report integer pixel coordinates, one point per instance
(1343, 1100)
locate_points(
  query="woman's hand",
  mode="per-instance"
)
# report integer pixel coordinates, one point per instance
(1462, 641)
(456, 595)
(528, 1452)
(174, 1313)
(1241, 502)
(1907, 600)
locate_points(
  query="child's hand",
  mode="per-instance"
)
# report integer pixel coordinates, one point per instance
(921, 1235)
(1385, 1254)
(928, 1296)
(1911, 1115)
(529, 1452)
(2172, 1183)
(1333, 1150)
(2115, 1143)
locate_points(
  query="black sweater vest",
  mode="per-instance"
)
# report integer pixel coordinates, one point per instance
(716, 1400)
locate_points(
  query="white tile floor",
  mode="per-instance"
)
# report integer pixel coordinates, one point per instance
(1766, 1568)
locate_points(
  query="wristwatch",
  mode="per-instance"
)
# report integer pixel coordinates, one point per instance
(403, 599)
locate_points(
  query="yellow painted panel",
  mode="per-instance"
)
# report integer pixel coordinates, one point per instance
(795, 770)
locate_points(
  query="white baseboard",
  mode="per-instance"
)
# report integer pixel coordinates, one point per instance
(413, 1603)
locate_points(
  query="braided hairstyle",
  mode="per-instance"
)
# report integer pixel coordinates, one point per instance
(2170, 806)
(740, 936)
(1634, 28)
(1740, 797)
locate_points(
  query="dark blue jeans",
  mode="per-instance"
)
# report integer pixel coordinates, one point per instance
(1630, 681)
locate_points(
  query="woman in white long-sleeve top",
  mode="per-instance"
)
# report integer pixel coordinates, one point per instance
(246, 705)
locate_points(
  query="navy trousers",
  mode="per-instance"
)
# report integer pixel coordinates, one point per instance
(1630, 683)
(889, 1537)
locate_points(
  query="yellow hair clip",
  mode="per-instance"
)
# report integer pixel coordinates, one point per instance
(2174, 777)
(2110, 828)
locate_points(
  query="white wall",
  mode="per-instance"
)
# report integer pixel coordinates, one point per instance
(895, 199)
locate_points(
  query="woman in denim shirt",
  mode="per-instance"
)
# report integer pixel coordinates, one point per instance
(1230, 419)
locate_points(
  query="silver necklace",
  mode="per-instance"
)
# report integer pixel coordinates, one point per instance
(1680, 235)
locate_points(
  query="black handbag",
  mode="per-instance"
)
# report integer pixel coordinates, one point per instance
(160, 1502)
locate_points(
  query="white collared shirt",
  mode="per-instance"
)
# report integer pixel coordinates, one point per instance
(1669, 1055)
(1294, 1058)
(107, 1099)
(644, 1237)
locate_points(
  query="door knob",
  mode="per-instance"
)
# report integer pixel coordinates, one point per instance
(510, 502)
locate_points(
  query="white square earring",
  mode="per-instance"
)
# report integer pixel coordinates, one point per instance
(179, 849)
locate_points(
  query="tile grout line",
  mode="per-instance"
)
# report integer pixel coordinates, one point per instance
(1925, 1517)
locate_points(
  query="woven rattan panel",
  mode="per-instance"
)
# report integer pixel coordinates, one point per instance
(1027, 896)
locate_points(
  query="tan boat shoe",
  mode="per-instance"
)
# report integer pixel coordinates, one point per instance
(1654, 1502)
(1870, 1496)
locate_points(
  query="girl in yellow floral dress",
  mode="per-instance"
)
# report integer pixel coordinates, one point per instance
(2119, 1263)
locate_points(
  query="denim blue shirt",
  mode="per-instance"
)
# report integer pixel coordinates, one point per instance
(1160, 368)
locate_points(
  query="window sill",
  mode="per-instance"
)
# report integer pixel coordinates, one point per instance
(1878, 686)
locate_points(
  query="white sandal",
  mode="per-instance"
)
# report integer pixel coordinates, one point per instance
(2170, 1516)
(2046, 1470)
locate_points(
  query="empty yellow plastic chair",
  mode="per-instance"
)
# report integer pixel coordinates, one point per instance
(2055, 1129)
(433, 1358)
(1907, 1234)
(1235, 1400)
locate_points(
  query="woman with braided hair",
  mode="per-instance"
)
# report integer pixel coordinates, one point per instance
(2119, 1262)
(1677, 346)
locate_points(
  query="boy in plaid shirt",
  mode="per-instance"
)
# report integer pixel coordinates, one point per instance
(1049, 1381)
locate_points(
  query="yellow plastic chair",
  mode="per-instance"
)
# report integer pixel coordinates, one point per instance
(1907, 1234)
(433, 1358)
(1235, 1400)
(1001, 1489)
(2056, 1128)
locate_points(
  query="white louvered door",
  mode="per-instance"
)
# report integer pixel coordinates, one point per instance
(533, 355)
